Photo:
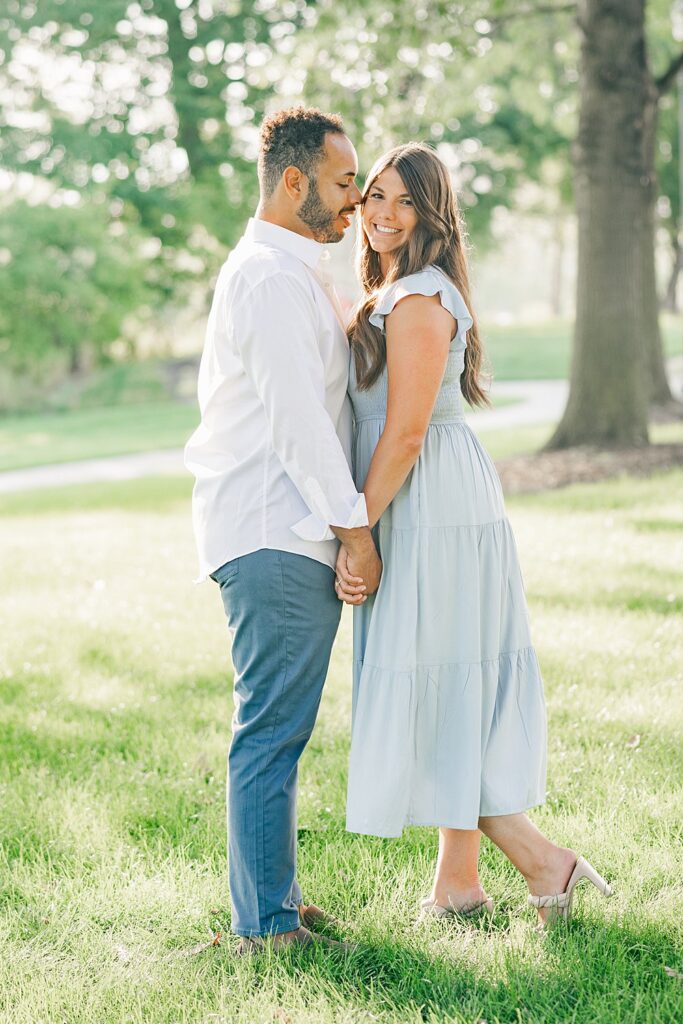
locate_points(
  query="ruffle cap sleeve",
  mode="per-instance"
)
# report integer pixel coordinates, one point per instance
(426, 282)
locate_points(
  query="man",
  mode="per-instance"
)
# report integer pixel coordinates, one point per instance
(273, 489)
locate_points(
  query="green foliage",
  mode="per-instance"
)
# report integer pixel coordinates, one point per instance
(150, 110)
(68, 283)
(146, 110)
(668, 160)
(160, 124)
(494, 92)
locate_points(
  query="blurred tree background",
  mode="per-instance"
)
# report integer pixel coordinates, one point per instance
(128, 135)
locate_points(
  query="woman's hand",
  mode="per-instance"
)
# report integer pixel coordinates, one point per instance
(349, 588)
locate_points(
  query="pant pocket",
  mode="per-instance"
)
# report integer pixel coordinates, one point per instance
(226, 571)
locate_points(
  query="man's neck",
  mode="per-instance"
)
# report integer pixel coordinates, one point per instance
(283, 220)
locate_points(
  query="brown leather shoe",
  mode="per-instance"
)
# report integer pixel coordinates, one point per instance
(249, 946)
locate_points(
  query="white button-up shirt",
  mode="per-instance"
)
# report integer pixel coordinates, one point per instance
(272, 452)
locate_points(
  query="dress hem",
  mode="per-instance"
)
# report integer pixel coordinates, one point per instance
(364, 831)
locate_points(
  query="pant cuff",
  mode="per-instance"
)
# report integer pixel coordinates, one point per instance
(279, 924)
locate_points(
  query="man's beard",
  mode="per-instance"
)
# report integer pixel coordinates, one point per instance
(318, 217)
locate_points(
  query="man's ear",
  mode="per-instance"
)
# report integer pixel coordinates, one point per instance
(295, 182)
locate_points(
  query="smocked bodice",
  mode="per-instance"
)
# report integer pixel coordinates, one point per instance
(448, 408)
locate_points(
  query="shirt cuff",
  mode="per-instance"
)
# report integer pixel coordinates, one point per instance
(314, 528)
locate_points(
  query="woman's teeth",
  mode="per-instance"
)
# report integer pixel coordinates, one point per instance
(386, 231)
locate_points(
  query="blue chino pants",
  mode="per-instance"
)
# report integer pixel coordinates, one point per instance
(283, 615)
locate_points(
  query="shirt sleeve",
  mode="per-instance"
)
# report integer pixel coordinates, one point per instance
(275, 335)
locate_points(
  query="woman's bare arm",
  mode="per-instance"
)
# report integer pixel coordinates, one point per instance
(419, 332)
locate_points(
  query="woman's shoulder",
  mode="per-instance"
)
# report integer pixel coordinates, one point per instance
(431, 280)
(427, 278)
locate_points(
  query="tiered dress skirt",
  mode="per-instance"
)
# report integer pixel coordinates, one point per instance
(448, 708)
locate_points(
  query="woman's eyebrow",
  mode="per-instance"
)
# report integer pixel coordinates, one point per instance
(403, 195)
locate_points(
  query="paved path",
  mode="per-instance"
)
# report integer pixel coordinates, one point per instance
(115, 467)
(537, 401)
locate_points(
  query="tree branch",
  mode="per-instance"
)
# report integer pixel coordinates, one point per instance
(665, 81)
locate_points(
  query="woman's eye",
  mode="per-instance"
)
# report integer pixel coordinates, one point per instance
(376, 195)
(407, 202)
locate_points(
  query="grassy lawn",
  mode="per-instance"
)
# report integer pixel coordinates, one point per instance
(114, 722)
(94, 433)
(543, 351)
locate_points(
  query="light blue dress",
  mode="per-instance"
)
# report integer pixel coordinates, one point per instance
(448, 706)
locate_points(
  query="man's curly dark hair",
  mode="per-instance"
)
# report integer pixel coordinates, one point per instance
(293, 138)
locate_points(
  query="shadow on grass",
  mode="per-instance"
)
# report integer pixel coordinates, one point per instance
(589, 972)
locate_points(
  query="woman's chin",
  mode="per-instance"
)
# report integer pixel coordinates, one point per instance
(382, 248)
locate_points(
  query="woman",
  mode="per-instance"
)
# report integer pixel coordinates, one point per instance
(449, 712)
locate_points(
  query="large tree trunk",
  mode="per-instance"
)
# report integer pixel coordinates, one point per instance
(609, 389)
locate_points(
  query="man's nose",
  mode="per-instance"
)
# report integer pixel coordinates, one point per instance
(355, 195)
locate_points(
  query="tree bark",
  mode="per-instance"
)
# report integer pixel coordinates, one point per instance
(610, 375)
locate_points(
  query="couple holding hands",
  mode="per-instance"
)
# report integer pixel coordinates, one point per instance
(333, 464)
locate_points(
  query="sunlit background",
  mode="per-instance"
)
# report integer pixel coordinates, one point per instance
(128, 136)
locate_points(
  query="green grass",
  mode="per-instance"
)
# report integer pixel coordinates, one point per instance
(543, 351)
(94, 433)
(528, 351)
(114, 721)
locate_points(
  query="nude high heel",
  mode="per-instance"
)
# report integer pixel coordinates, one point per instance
(560, 904)
(430, 909)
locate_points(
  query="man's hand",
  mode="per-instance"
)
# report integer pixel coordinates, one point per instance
(358, 572)
(349, 589)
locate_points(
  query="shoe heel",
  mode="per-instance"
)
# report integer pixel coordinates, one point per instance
(586, 870)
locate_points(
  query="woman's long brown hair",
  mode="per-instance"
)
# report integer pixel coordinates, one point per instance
(439, 239)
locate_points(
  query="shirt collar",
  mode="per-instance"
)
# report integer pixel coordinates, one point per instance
(306, 249)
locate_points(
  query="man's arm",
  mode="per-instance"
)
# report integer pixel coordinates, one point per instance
(274, 328)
